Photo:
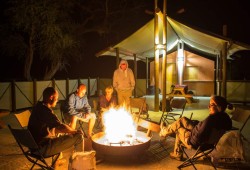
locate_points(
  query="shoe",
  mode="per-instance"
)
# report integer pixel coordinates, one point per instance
(172, 155)
(164, 132)
(61, 155)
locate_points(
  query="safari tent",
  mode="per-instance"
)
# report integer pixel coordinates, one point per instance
(202, 52)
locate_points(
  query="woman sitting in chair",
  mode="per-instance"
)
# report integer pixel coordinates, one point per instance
(108, 100)
(191, 133)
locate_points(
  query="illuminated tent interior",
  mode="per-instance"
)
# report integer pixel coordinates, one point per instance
(202, 45)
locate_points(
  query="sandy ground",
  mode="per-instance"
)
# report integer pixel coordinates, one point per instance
(156, 157)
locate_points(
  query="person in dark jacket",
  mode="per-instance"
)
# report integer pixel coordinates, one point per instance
(193, 133)
(44, 126)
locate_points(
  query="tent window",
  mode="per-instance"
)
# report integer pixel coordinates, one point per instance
(191, 73)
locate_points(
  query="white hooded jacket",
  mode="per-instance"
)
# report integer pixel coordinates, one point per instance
(123, 80)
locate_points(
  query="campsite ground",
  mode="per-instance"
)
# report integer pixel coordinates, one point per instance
(156, 157)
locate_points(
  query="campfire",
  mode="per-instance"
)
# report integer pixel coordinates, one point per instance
(120, 136)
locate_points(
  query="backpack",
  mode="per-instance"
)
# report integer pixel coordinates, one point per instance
(229, 149)
(82, 161)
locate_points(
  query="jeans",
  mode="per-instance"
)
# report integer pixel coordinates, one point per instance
(182, 128)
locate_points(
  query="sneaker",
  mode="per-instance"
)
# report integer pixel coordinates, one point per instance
(163, 132)
(172, 155)
(61, 155)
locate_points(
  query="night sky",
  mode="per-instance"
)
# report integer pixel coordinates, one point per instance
(209, 15)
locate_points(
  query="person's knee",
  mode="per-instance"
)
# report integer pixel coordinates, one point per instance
(183, 119)
(74, 118)
(93, 119)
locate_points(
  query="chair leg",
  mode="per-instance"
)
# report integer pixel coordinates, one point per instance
(198, 154)
(188, 161)
(210, 161)
(34, 164)
(54, 159)
(81, 127)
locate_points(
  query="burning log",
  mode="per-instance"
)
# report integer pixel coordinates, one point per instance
(120, 136)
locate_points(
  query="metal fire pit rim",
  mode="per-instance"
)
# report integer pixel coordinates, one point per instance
(120, 150)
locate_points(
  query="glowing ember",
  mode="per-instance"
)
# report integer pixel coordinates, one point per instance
(119, 127)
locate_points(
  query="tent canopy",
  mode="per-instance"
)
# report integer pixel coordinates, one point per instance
(141, 43)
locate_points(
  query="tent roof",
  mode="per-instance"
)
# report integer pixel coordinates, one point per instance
(141, 42)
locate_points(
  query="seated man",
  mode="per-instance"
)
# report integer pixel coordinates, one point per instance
(193, 133)
(44, 124)
(76, 108)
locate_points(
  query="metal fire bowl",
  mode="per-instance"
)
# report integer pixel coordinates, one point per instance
(120, 150)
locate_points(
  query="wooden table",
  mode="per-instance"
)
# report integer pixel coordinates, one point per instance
(181, 91)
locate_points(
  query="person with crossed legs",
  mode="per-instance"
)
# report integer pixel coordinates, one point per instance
(192, 133)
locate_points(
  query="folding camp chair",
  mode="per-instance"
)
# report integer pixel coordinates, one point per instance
(139, 108)
(65, 118)
(203, 150)
(23, 118)
(31, 150)
(177, 107)
(240, 118)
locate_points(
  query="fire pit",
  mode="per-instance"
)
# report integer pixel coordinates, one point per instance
(120, 136)
(122, 148)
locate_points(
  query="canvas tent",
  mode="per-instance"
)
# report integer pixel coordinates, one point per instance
(141, 43)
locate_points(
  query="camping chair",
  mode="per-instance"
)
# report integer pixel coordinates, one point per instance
(240, 118)
(139, 108)
(177, 107)
(23, 118)
(66, 121)
(98, 114)
(31, 150)
(203, 150)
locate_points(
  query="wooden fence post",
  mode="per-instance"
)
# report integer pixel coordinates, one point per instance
(13, 95)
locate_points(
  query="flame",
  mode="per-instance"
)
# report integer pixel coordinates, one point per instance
(118, 125)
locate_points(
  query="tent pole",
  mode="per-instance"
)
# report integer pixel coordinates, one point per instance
(216, 76)
(156, 55)
(147, 78)
(135, 74)
(164, 56)
(224, 70)
(220, 72)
